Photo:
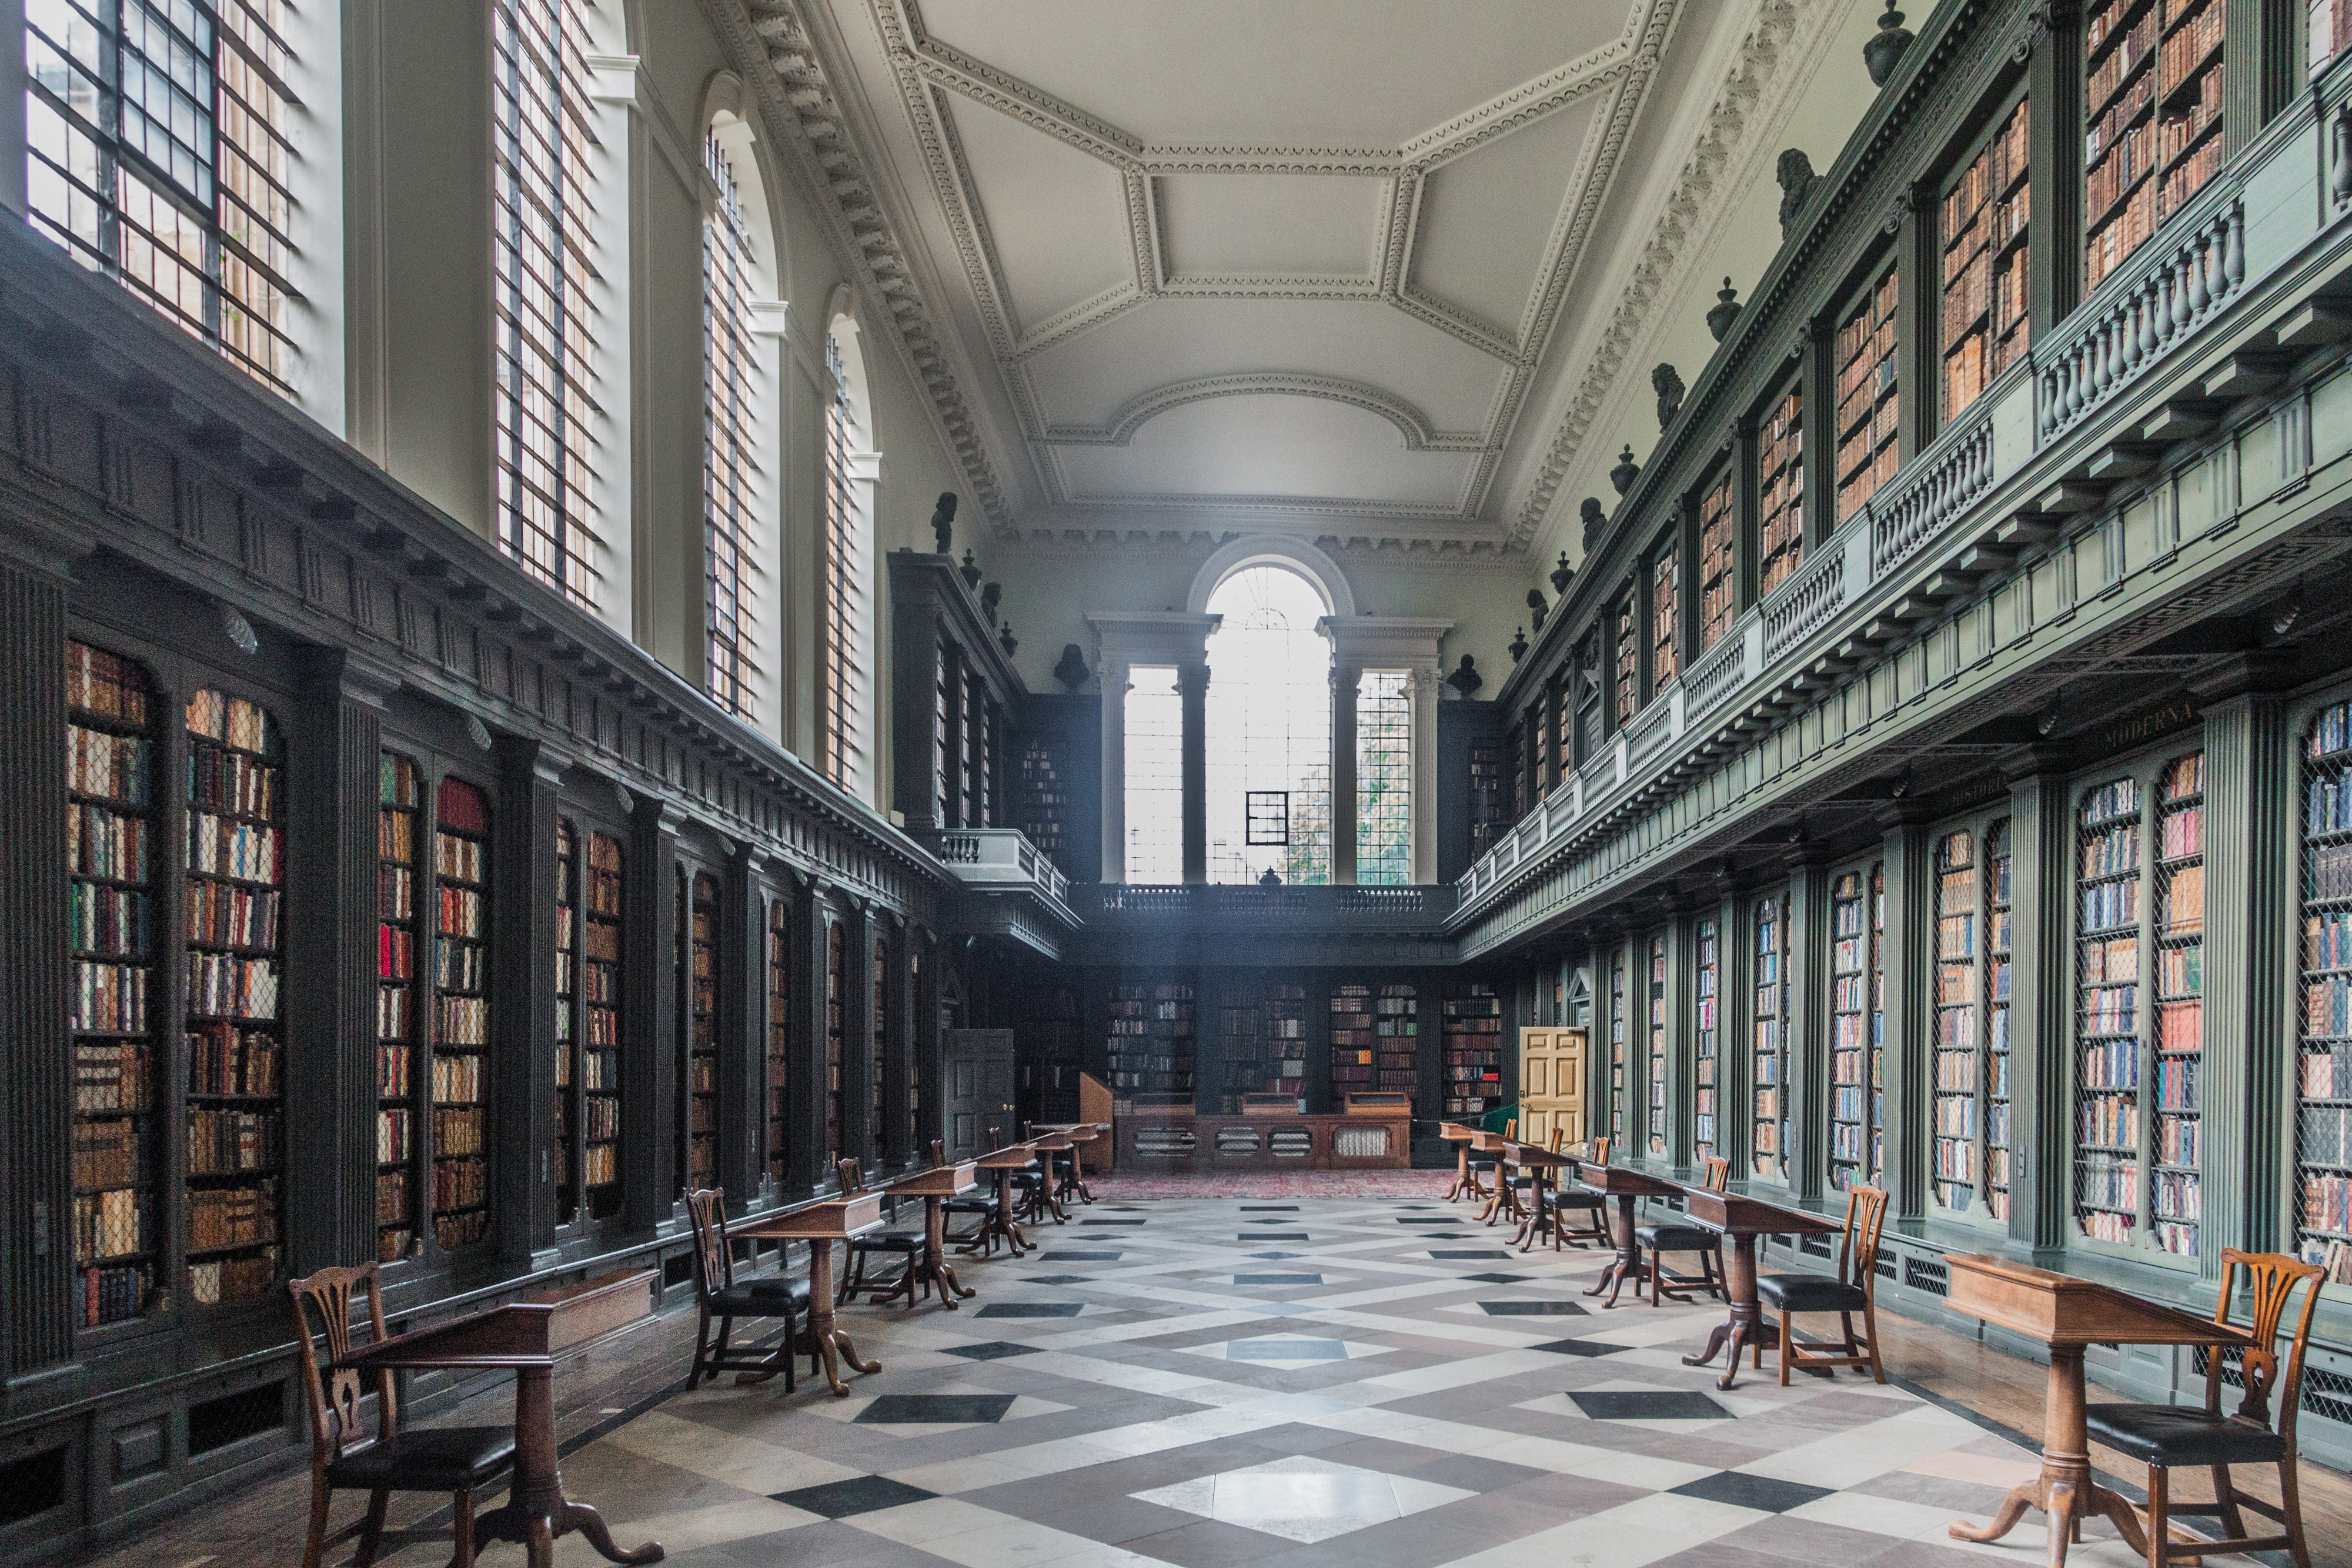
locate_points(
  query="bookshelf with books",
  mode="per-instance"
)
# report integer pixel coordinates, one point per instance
(878, 1038)
(599, 1027)
(1707, 1055)
(1654, 1058)
(778, 1062)
(234, 1045)
(461, 1009)
(1041, 803)
(400, 835)
(1986, 211)
(836, 1002)
(1718, 582)
(1954, 1034)
(1853, 978)
(2176, 940)
(1050, 1044)
(1625, 674)
(1472, 1039)
(1869, 395)
(698, 998)
(1781, 492)
(2323, 1085)
(1878, 1024)
(1767, 1057)
(113, 853)
(2000, 890)
(1489, 760)
(1396, 1038)
(1152, 1041)
(1240, 1053)
(2152, 109)
(1665, 618)
(1617, 1046)
(567, 1016)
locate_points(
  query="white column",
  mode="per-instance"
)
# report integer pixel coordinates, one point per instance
(1113, 675)
(1422, 685)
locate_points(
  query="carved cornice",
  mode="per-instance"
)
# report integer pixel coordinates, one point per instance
(1410, 421)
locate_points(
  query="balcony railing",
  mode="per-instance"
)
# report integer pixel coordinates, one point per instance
(1290, 907)
(1001, 859)
(2288, 191)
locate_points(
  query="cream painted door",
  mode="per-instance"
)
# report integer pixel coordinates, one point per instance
(1551, 1085)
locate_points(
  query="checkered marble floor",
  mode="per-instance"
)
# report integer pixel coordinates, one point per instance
(1313, 1383)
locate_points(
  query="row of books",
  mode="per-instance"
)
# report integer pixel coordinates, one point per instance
(112, 998)
(2126, 233)
(2324, 1135)
(2328, 1005)
(2182, 834)
(114, 1295)
(457, 1231)
(225, 1142)
(458, 859)
(2107, 1122)
(2327, 1203)
(460, 966)
(222, 986)
(229, 916)
(2103, 1181)
(392, 1205)
(2177, 1140)
(111, 1224)
(1956, 1160)
(2110, 1009)
(112, 767)
(2177, 1083)
(2108, 905)
(231, 785)
(111, 1079)
(99, 842)
(2331, 732)
(458, 1132)
(232, 721)
(233, 1217)
(459, 1184)
(395, 1011)
(105, 685)
(222, 846)
(394, 1130)
(2127, 54)
(222, 1061)
(108, 1154)
(463, 913)
(461, 1020)
(218, 1280)
(2328, 871)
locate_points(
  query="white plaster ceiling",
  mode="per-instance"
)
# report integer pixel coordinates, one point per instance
(1280, 265)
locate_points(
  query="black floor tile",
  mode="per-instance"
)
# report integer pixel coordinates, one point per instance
(1750, 1491)
(1433, 1219)
(1277, 1278)
(1033, 1308)
(991, 1350)
(1066, 1256)
(1642, 1405)
(927, 1409)
(1585, 1347)
(1268, 1257)
(1274, 1236)
(1269, 1209)
(1057, 1278)
(1498, 1279)
(1472, 1252)
(1532, 1310)
(859, 1494)
(1114, 1222)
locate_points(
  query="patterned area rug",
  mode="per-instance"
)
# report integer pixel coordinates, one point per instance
(1121, 1188)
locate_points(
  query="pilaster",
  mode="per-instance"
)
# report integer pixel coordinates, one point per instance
(1675, 1046)
(523, 1067)
(649, 1086)
(1346, 680)
(1422, 689)
(893, 1143)
(2039, 1023)
(1904, 1055)
(1113, 676)
(1192, 690)
(742, 1106)
(859, 1062)
(2055, 164)
(1804, 1044)
(804, 1096)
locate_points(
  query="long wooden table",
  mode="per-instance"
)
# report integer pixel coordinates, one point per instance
(1462, 1137)
(1627, 1187)
(931, 1270)
(1742, 1219)
(1003, 1163)
(2067, 1314)
(527, 1336)
(820, 1225)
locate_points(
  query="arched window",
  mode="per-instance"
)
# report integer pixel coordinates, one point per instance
(739, 399)
(845, 611)
(1269, 729)
(541, 249)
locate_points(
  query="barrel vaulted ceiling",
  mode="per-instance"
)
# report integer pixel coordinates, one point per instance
(1233, 266)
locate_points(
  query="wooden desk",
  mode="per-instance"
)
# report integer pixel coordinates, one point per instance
(527, 1335)
(1083, 1136)
(1003, 1163)
(1461, 1137)
(1625, 1187)
(2067, 1314)
(934, 1186)
(1742, 1219)
(820, 1225)
(1546, 1166)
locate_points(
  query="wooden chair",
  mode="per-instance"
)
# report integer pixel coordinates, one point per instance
(904, 1246)
(718, 1297)
(980, 1204)
(459, 1460)
(1566, 1202)
(2165, 1438)
(1855, 1289)
(1662, 1237)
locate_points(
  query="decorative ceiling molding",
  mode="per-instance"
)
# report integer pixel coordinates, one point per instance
(1773, 62)
(1410, 421)
(1477, 557)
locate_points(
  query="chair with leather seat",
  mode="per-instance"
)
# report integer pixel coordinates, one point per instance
(2260, 1432)
(902, 1246)
(979, 1205)
(459, 1460)
(1854, 1289)
(1662, 1237)
(1575, 1215)
(720, 1298)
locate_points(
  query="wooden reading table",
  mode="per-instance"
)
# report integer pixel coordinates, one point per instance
(1461, 1137)
(1742, 1219)
(2067, 1314)
(1546, 1166)
(820, 1225)
(528, 1335)
(934, 1186)
(1626, 1186)
(1003, 1163)
(1080, 1134)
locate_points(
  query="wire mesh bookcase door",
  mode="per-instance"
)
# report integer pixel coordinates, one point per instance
(1851, 952)
(1999, 889)
(1706, 1057)
(567, 1021)
(2108, 873)
(1617, 1027)
(1953, 1102)
(2177, 939)
(2323, 1131)
(1768, 1054)
(1657, 1053)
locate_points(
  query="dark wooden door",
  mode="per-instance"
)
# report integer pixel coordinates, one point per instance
(977, 1064)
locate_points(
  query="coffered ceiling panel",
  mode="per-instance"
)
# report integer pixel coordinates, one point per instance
(1265, 449)
(1256, 226)
(1487, 217)
(1056, 216)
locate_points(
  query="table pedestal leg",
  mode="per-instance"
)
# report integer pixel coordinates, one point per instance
(833, 1346)
(937, 1270)
(1743, 1327)
(535, 1511)
(1627, 1267)
(2063, 1492)
(1460, 1173)
(1004, 1222)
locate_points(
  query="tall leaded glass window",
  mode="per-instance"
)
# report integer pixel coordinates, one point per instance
(729, 462)
(1268, 723)
(157, 153)
(837, 639)
(540, 267)
(1154, 781)
(1383, 779)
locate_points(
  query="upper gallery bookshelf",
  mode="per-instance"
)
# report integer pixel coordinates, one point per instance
(2152, 115)
(1986, 213)
(1869, 395)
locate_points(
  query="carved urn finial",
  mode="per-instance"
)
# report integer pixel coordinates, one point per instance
(1883, 50)
(989, 599)
(1668, 384)
(969, 569)
(1626, 471)
(1519, 644)
(1536, 608)
(943, 522)
(1795, 174)
(1593, 519)
(1466, 679)
(1004, 635)
(1726, 312)
(1072, 671)
(1562, 575)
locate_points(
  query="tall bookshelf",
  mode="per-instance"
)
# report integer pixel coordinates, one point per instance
(1851, 983)
(461, 1017)
(1780, 493)
(1617, 1046)
(400, 832)
(1240, 1052)
(1396, 1038)
(2107, 875)
(2177, 939)
(1956, 1000)
(1050, 1038)
(1473, 1044)
(1706, 1058)
(1768, 1053)
(1718, 584)
(1488, 761)
(779, 1037)
(236, 863)
(600, 1027)
(1151, 1041)
(1878, 1023)
(1999, 937)
(2152, 106)
(567, 1030)
(112, 838)
(1355, 1060)
(1656, 1060)
(2323, 1129)
(1044, 804)
(1986, 211)
(1869, 405)
(1628, 669)
(947, 711)
(878, 1044)
(703, 1032)
(1665, 618)
(837, 1001)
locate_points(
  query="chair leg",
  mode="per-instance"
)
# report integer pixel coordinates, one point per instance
(701, 1351)
(2290, 1505)
(1845, 1320)
(719, 1350)
(1870, 1330)
(372, 1532)
(2159, 1481)
(791, 1318)
(462, 1505)
(314, 1545)
(1787, 1346)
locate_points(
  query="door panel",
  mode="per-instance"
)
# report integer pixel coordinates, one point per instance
(978, 1068)
(1551, 1085)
